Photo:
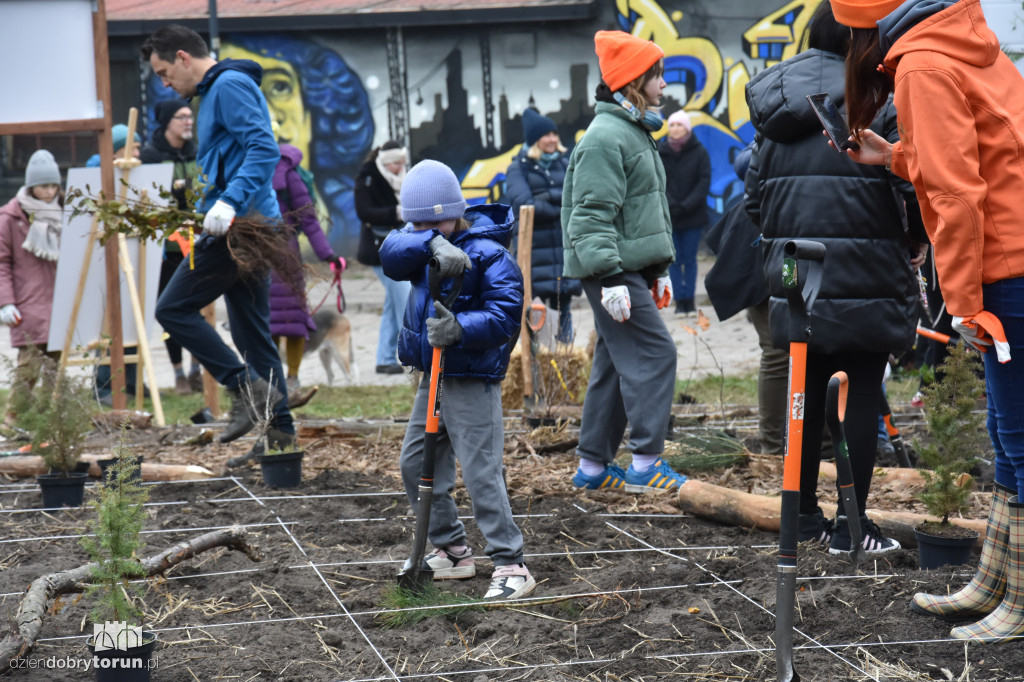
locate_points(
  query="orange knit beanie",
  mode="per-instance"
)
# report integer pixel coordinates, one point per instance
(863, 13)
(623, 58)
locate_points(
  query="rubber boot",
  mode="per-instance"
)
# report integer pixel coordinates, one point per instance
(1007, 621)
(984, 593)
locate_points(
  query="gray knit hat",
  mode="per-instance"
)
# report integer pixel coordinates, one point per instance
(42, 169)
(431, 193)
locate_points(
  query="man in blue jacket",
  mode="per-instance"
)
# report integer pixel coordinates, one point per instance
(237, 155)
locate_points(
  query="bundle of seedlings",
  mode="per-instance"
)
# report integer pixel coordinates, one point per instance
(256, 244)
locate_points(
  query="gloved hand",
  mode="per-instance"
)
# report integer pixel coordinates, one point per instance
(218, 219)
(616, 301)
(662, 292)
(10, 315)
(984, 330)
(443, 329)
(555, 194)
(451, 260)
(338, 264)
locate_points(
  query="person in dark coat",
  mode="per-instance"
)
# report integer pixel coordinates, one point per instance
(289, 312)
(535, 178)
(688, 178)
(173, 142)
(377, 190)
(799, 188)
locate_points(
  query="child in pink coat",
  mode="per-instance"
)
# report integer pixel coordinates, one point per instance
(30, 227)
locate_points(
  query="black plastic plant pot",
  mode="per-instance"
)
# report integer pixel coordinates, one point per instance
(124, 665)
(108, 464)
(283, 470)
(62, 491)
(934, 551)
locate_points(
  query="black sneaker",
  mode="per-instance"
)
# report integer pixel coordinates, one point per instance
(873, 540)
(389, 369)
(815, 528)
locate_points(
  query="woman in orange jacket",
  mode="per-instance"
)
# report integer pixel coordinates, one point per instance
(960, 104)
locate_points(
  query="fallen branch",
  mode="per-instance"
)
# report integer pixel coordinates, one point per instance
(746, 510)
(21, 638)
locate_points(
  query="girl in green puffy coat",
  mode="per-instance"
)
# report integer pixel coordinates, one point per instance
(617, 235)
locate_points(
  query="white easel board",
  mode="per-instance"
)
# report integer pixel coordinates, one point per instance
(74, 240)
(47, 50)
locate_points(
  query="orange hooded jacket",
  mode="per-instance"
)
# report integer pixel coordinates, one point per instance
(960, 109)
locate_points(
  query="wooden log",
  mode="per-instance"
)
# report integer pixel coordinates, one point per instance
(746, 510)
(20, 639)
(24, 466)
(910, 477)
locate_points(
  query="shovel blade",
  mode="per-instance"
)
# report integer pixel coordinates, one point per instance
(415, 578)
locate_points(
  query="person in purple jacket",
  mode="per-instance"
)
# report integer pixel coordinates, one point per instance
(289, 314)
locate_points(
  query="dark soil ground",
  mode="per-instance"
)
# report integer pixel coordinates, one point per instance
(629, 589)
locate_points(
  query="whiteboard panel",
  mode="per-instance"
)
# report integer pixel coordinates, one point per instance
(73, 243)
(46, 47)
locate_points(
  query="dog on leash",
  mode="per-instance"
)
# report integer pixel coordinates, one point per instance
(333, 341)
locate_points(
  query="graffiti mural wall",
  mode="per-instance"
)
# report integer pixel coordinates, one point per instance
(461, 91)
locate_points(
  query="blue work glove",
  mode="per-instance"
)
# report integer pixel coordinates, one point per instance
(443, 329)
(451, 260)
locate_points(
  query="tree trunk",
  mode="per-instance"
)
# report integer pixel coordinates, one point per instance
(19, 641)
(24, 466)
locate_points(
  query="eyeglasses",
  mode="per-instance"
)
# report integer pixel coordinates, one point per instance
(183, 117)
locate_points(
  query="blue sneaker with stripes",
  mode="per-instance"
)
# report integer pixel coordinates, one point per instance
(658, 477)
(612, 478)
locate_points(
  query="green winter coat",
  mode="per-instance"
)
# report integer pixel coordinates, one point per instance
(615, 215)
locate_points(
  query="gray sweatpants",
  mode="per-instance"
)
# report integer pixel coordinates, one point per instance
(632, 379)
(471, 430)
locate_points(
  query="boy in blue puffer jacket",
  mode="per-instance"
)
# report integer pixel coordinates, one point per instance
(476, 333)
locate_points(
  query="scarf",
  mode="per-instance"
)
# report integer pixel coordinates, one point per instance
(45, 222)
(546, 160)
(391, 156)
(675, 144)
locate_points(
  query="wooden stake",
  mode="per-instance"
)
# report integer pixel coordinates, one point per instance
(525, 259)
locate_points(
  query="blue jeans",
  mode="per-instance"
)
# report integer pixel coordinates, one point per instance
(1004, 384)
(396, 295)
(683, 272)
(189, 291)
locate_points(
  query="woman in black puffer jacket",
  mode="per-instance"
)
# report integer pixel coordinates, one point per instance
(377, 189)
(535, 177)
(799, 188)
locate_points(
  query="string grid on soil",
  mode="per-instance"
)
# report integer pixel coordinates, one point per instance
(629, 588)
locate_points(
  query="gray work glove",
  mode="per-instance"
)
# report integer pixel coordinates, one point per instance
(451, 260)
(443, 329)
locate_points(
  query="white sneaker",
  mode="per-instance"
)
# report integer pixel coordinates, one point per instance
(510, 582)
(448, 566)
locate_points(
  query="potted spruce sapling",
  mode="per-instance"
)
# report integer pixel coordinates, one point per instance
(122, 650)
(955, 436)
(59, 419)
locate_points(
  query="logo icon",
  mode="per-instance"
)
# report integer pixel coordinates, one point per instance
(116, 635)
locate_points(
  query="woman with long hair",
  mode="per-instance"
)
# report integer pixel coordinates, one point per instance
(960, 104)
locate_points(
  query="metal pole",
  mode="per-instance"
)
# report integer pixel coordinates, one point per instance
(214, 31)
